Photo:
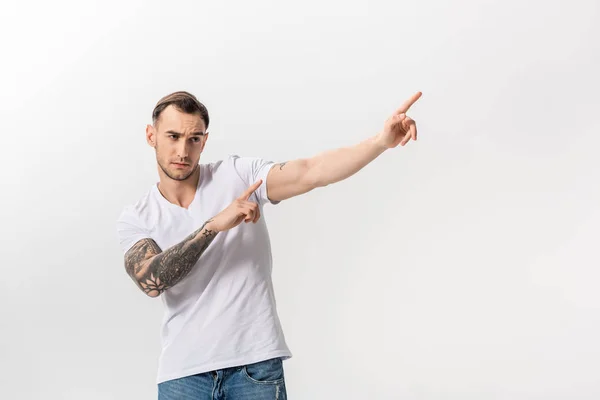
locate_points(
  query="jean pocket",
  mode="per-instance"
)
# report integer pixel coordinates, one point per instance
(269, 372)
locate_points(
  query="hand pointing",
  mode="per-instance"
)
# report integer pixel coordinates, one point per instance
(399, 128)
(241, 209)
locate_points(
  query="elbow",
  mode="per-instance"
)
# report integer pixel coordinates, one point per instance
(149, 293)
(150, 289)
(147, 287)
(152, 294)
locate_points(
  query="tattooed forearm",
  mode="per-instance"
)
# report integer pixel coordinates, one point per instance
(172, 265)
(140, 252)
(155, 271)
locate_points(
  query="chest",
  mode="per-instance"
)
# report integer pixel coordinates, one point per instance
(170, 224)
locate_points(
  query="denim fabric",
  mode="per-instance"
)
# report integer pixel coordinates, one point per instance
(260, 381)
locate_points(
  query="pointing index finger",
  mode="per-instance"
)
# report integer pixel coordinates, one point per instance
(246, 195)
(408, 103)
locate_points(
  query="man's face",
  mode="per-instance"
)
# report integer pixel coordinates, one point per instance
(178, 139)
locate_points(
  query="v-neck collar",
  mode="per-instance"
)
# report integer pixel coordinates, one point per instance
(166, 202)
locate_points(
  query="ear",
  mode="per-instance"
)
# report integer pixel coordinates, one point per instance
(151, 135)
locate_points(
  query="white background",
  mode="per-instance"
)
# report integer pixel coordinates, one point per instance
(459, 267)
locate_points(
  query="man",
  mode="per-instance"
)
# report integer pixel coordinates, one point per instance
(196, 239)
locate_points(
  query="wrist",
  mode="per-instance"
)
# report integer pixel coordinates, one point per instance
(210, 226)
(379, 142)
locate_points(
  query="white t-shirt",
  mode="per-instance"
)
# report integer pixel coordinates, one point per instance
(223, 313)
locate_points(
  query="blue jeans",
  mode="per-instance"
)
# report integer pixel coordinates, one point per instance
(260, 381)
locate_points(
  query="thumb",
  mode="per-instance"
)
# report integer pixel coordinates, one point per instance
(397, 120)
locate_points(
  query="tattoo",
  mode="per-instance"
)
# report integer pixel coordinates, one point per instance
(282, 164)
(141, 251)
(168, 267)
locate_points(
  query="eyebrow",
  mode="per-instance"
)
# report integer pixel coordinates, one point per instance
(198, 133)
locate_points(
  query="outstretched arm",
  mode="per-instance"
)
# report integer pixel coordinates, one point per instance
(296, 177)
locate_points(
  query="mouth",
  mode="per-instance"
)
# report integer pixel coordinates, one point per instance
(181, 166)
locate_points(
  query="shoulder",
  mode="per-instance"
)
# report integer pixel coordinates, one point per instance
(135, 221)
(246, 164)
(135, 210)
(234, 160)
(237, 165)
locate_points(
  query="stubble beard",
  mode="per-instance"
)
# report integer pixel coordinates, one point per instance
(170, 175)
(177, 178)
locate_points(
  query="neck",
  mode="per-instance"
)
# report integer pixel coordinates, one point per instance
(180, 193)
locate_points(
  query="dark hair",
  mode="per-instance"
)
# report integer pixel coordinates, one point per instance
(182, 101)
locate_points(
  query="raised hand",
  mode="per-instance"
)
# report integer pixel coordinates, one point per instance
(399, 128)
(241, 209)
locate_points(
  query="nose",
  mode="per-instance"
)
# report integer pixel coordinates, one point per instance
(182, 149)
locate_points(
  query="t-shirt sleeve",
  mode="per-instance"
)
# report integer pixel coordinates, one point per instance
(129, 229)
(251, 169)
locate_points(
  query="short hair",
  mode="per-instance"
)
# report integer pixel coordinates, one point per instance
(182, 101)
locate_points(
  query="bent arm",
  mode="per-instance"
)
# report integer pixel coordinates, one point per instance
(297, 177)
(155, 271)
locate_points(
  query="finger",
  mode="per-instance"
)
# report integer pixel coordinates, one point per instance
(395, 122)
(249, 204)
(250, 209)
(407, 125)
(405, 139)
(413, 130)
(257, 216)
(408, 103)
(246, 195)
(398, 119)
(249, 214)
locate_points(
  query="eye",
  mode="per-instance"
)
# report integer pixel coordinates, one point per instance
(196, 139)
(173, 137)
